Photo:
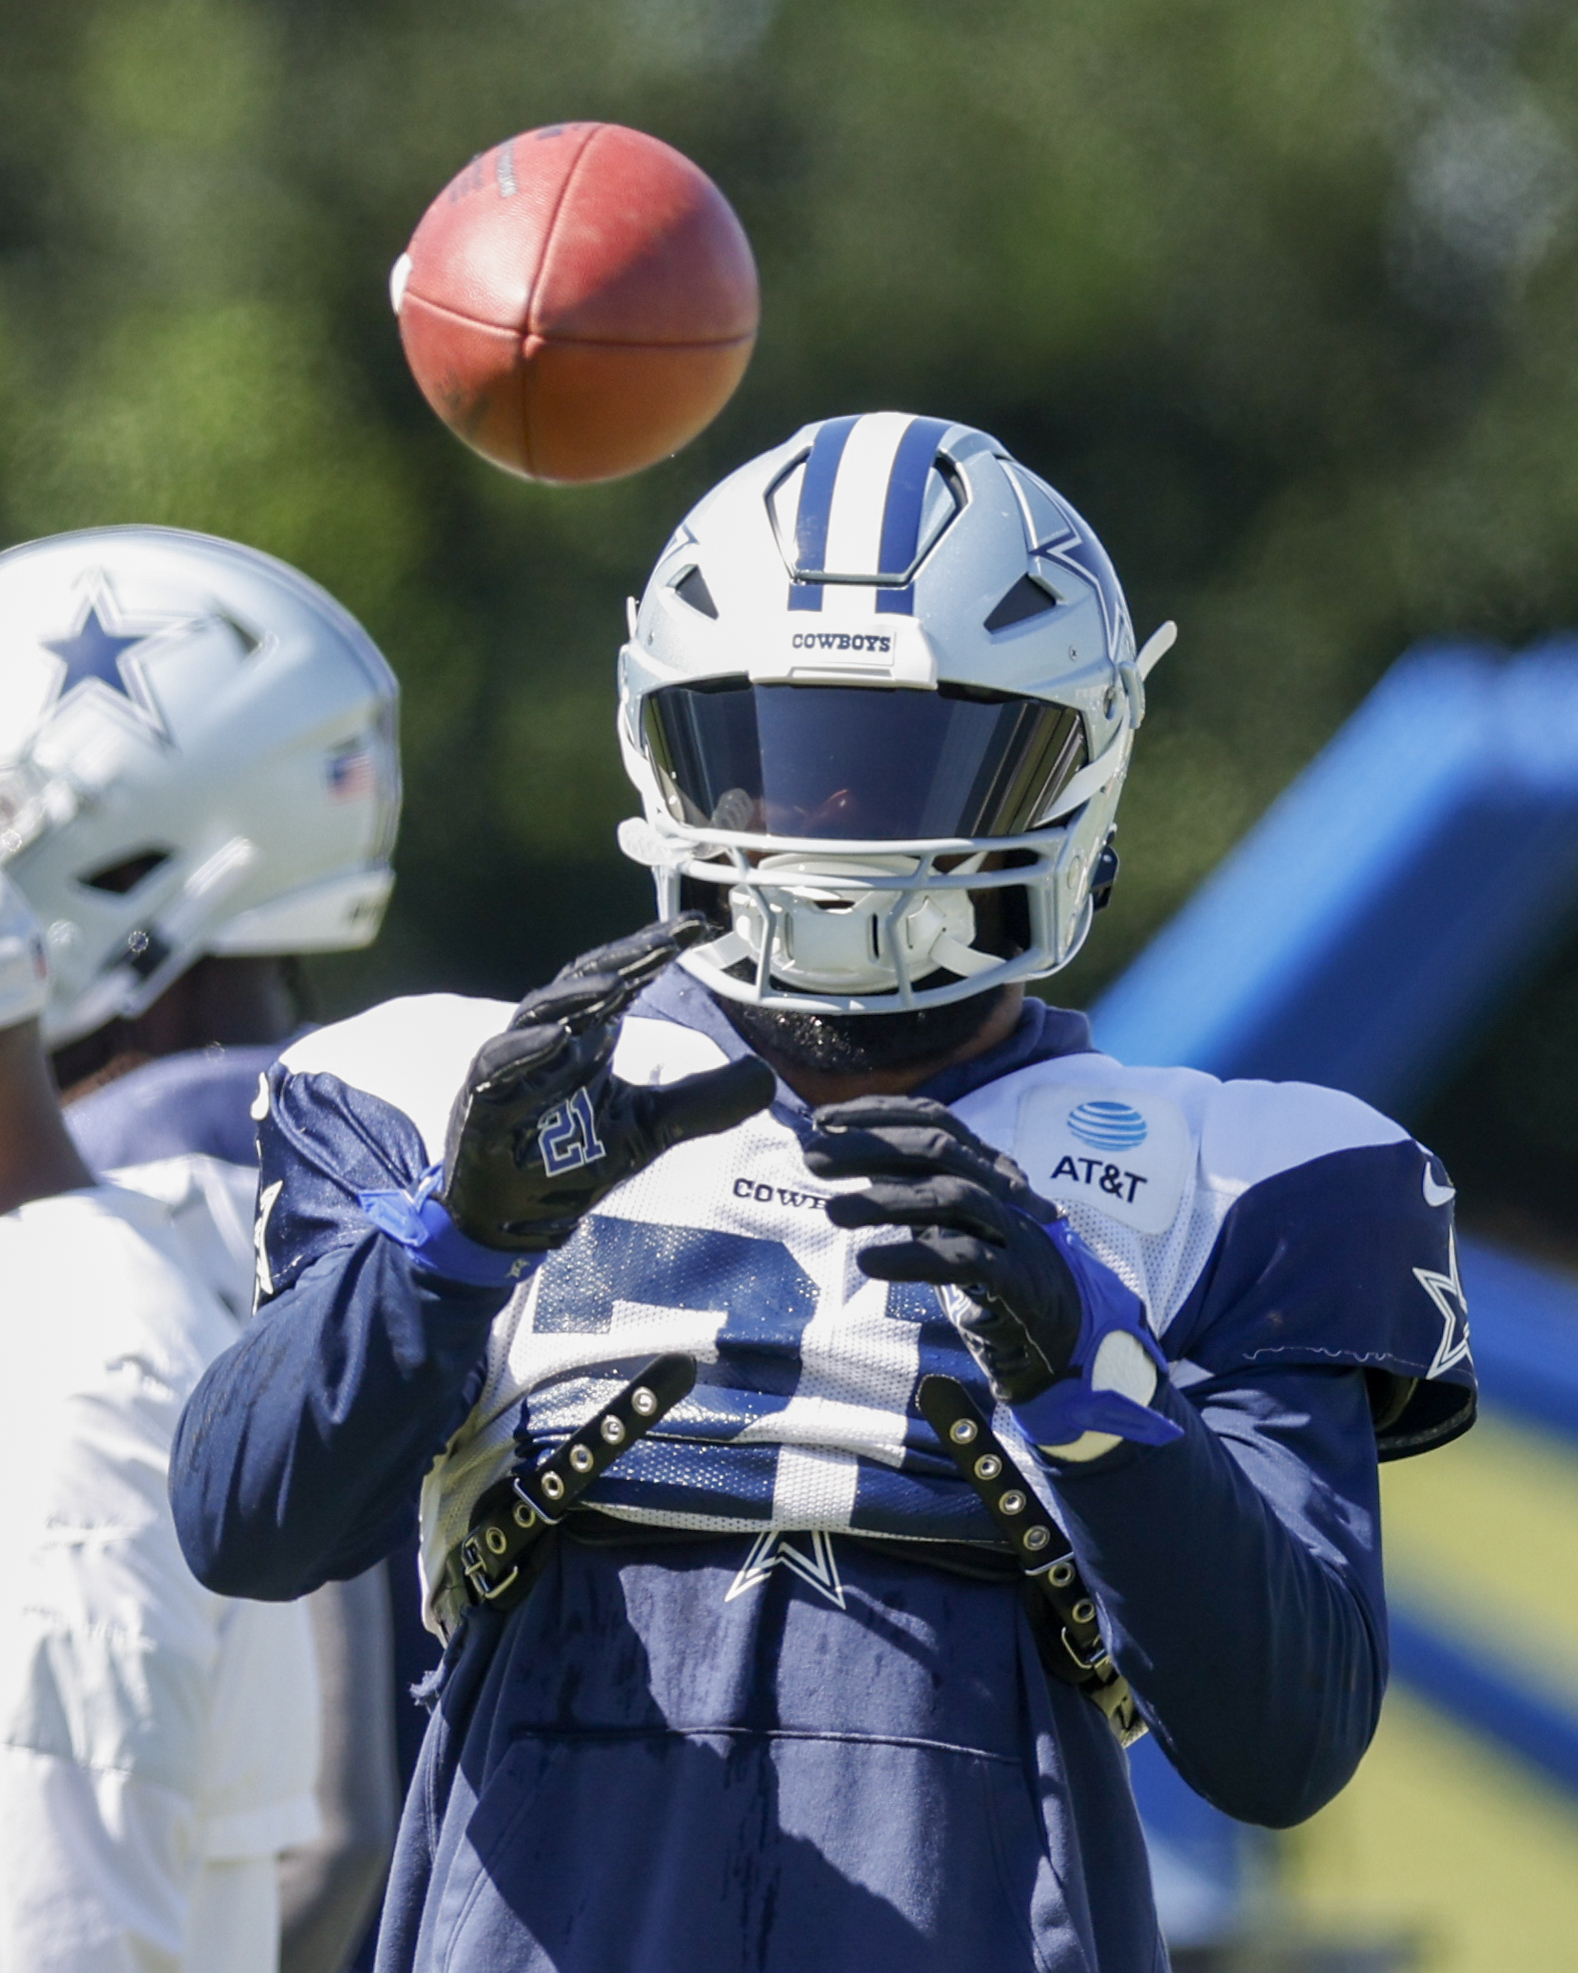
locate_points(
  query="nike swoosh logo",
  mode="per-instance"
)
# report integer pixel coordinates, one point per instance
(1438, 1195)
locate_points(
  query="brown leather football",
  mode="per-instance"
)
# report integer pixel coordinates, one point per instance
(579, 302)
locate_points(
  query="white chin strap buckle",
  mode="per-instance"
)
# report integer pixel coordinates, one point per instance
(831, 932)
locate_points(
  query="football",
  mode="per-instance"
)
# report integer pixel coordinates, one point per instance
(579, 302)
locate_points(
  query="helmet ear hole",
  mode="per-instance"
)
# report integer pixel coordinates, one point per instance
(692, 589)
(1025, 600)
(123, 876)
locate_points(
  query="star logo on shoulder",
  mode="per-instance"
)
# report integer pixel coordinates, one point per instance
(808, 1556)
(1446, 1291)
(1083, 555)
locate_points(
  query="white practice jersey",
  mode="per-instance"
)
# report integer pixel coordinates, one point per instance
(158, 1743)
(1258, 1223)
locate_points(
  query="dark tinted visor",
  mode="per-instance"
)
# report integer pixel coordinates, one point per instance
(853, 761)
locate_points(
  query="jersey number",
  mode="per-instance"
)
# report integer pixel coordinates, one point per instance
(762, 1295)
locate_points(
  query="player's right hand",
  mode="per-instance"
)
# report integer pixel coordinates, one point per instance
(542, 1128)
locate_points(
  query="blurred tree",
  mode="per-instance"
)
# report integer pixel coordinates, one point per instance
(1280, 297)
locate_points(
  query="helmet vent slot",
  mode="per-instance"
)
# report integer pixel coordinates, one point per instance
(1025, 600)
(692, 589)
(123, 876)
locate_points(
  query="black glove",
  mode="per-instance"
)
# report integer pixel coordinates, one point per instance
(978, 1227)
(542, 1129)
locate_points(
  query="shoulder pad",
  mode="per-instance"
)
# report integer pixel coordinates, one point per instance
(1252, 1130)
(1347, 1259)
(652, 1052)
(1136, 1143)
(1264, 1223)
(411, 1053)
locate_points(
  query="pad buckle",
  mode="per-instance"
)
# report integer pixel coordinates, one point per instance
(1044, 1551)
(514, 1514)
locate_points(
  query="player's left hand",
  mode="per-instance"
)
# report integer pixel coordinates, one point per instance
(1033, 1304)
(977, 1226)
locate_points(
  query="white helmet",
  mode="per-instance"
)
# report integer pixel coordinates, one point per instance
(24, 974)
(865, 664)
(197, 755)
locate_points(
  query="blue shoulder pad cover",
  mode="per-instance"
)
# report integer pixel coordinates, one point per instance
(353, 1161)
(332, 1143)
(1349, 1259)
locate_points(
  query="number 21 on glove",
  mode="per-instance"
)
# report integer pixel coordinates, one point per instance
(567, 1136)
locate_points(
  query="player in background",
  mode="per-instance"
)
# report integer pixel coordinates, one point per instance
(207, 785)
(157, 1742)
(1037, 1399)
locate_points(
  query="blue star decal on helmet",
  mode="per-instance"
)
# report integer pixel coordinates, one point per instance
(92, 652)
(1078, 551)
(97, 653)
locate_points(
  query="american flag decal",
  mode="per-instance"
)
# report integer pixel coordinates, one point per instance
(351, 772)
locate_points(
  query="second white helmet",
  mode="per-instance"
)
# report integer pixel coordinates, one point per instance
(879, 699)
(198, 755)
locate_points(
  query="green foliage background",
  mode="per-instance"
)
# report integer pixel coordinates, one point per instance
(1282, 297)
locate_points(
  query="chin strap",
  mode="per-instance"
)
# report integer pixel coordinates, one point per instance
(1079, 1655)
(798, 905)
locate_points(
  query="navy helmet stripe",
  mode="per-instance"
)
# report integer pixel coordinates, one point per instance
(816, 493)
(901, 516)
(805, 595)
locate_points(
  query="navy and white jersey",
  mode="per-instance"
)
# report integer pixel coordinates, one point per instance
(1260, 1225)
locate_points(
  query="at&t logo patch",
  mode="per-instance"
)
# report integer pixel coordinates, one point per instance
(1108, 1126)
(1126, 1155)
